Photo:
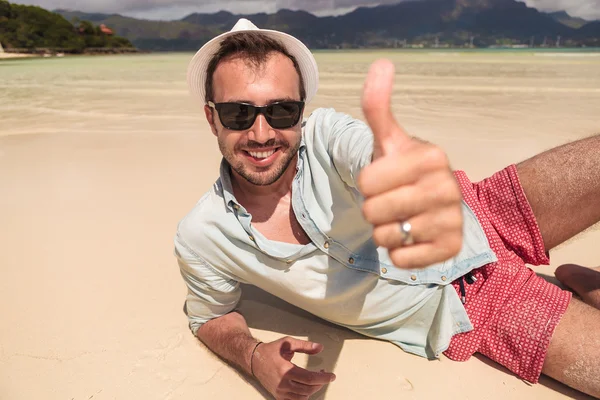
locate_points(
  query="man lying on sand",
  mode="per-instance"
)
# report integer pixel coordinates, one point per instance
(370, 229)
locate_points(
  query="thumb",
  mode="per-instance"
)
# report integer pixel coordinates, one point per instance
(303, 346)
(376, 105)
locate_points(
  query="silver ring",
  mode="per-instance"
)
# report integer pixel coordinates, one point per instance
(406, 230)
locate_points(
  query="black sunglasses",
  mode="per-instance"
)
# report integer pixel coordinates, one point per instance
(241, 116)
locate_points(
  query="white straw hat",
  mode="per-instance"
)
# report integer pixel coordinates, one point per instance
(196, 73)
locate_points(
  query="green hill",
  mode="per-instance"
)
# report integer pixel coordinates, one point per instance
(566, 19)
(30, 27)
(151, 35)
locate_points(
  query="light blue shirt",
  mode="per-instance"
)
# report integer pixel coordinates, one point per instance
(341, 276)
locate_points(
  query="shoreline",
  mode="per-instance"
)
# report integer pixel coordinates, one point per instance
(12, 56)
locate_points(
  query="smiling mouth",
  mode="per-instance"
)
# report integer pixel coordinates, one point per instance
(262, 154)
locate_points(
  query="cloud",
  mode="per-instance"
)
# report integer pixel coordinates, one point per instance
(171, 9)
(588, 9)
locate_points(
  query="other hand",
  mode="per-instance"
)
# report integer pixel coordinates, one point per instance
(273, 367)
(408, 181)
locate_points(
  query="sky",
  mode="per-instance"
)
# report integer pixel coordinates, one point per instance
(175, 9)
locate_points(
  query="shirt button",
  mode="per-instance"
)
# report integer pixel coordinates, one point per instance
(351, 260)
(413, 277)
(384, 270)
(236, 207)
(289, 261)
(444, 278)
(326, 245)
(251, 238)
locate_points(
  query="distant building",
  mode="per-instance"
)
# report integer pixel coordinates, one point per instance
(106, 30)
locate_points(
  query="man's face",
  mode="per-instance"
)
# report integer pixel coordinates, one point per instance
(260, 154)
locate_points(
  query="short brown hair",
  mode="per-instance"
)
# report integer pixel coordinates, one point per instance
(254, 48)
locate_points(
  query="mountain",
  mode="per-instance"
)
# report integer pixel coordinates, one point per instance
(590, 34)
(566, 19)
(82, 16)
(412, 23)
(284, 19)
(31, 28)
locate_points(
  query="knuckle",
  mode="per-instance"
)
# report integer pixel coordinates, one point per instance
(444, 190)
(363, 182)
(453, 191)
(398, 259)
(453, 245)
(282, 370)
(459, 219)
(369, 211)
(434, 157)
(379, 237)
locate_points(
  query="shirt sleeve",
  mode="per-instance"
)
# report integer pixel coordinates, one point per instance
(349, 142)
(210, 294)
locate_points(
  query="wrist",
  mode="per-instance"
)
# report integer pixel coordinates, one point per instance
(253, 358)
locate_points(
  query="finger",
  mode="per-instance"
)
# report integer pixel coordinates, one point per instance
(402, 170)
(303, 346)
(426, 227)
(376, 104)
(301, 388)
(422, 255)
(306, 377)
(437, 191)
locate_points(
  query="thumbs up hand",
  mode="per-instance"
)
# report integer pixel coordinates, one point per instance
(411, 196)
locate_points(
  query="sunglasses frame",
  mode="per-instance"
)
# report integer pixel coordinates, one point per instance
(259, 110)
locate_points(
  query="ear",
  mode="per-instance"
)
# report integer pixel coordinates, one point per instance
(208, 111)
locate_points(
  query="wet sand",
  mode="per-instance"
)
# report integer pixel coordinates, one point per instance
(101, 157)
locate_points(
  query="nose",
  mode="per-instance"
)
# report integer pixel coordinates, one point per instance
(261, 131)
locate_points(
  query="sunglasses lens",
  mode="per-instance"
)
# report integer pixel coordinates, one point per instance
(237, 116)
(283, 115)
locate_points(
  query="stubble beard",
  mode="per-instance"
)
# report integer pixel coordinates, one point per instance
(271, 174)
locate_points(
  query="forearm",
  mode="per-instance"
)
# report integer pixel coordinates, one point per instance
(229, 337)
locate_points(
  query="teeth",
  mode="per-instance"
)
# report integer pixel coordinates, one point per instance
(261, 154)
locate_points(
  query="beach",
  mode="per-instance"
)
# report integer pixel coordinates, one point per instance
(100, 157)
(8, 56)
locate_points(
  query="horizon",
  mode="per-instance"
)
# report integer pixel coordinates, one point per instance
(178, 9)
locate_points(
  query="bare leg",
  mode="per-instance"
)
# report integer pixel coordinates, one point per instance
(563, 188)
(583, 281)
(574, 354)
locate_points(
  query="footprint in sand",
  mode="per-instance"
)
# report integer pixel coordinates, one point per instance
(404, 384)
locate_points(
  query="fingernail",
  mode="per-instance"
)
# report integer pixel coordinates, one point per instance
(315, 346)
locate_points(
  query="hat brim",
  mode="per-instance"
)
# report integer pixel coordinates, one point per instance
(196, 73)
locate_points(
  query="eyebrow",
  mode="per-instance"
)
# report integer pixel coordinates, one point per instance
(270, 101)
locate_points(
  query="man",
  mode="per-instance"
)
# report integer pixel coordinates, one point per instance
(368, 228)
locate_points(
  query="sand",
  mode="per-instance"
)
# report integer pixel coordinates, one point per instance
(6, 56)
(101, 157)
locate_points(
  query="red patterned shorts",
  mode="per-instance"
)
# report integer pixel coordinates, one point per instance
(513, 311)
